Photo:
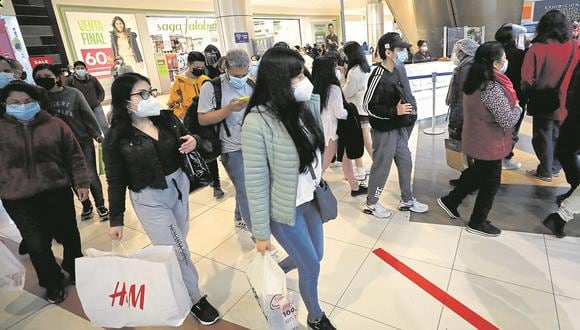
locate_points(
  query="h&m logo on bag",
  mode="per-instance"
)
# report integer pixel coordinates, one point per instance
(133, 298)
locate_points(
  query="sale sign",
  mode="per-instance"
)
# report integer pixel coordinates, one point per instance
(36, 60)
(99, 61)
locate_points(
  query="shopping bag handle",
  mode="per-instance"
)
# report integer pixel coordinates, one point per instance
(121, 245)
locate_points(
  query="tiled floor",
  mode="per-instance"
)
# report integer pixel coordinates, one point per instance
(515, 281)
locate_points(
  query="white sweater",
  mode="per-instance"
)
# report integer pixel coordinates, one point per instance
(332, 111)
(355, 88)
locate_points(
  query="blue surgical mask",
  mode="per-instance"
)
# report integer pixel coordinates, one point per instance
(5, 78)
(23, 112)
(238, 83)
(402, 56)
(81, 73)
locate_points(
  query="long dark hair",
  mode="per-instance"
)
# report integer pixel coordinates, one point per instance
(324, 76)
(356, 56)
(120, 95)
(118, 18)
(274, 91)
(553, 25)
(481, 71)
(505, 36)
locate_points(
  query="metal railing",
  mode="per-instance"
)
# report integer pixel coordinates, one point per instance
(433, 130)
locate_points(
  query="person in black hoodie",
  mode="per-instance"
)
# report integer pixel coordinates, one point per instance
(506, 35)
(392, 112)
(212, 56)
(69, 104)
(567, 150)
(92, 90)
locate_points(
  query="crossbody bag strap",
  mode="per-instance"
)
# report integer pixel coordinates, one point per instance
(311, 170)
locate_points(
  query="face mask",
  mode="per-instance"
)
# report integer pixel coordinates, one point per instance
(198, 72)
(303, 90)
(118, 62)
(148, 108)
(402, 57)
(238, 83)
(424, 49)
(5, 78)
(23, 112)
(504, 67)
(81, 73)
(24, 75)
(46, 83)
(338, 74)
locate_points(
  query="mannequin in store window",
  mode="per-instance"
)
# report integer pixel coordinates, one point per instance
(124, 44)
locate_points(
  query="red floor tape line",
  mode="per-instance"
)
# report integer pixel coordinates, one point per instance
(460, 309)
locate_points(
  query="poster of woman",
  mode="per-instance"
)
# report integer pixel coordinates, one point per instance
(124, 44)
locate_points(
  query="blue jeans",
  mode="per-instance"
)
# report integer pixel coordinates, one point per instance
(100, 115)
(234, 165)
(305, 245)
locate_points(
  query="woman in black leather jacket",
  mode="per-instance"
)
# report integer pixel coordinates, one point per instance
(143, 151)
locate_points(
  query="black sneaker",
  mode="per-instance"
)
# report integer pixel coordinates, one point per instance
(218, 193)
(55, 295)
(204, 312)
(362, 190)
(322, 324)
(103, 213)
(87, 213)
(485, 229)
(451, 211)
(555, 223)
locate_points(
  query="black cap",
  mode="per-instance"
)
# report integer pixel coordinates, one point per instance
(393, 40)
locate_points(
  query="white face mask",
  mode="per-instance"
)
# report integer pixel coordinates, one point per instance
(148, 108)
(504, 67)
(303, 90)
(424, 49)
(338, 74)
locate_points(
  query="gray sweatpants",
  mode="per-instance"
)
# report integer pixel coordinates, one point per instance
(164, 214)
(386, 147)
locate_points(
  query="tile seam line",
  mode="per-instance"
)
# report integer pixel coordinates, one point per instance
(450, 276)
(361, 265)
(503, 281)
(552, 283)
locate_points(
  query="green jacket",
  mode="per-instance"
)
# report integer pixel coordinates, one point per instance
(271, 166)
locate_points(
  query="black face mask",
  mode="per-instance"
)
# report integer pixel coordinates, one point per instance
(198, 72)
(46, 83)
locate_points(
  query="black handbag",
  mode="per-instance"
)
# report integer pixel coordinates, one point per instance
(325, 200)
(547, 100)
(193, 164)
(350, 136)
(196, 170)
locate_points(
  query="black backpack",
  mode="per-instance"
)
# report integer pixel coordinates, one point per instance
(210, 147)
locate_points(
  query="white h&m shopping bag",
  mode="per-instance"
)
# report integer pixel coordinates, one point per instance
(268, 282)
(12, 272)
(144, 288)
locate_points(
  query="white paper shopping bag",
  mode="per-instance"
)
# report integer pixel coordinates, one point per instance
(268, 282)
(12, 272)
(144, 288)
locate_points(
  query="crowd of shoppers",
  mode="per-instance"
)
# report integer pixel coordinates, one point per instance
(278, 130)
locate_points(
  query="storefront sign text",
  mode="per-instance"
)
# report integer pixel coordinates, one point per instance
(187, 25)
(91, 32)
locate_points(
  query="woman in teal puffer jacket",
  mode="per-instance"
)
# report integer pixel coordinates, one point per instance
(282, 146)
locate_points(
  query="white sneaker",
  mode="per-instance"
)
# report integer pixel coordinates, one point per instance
(508, 164)
(241, 224)
(360, 174)
(377, 210)
(414, 206)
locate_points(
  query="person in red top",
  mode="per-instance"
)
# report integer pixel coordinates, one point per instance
(544, 66)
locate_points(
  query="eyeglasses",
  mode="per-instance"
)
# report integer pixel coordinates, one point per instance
(144, 94)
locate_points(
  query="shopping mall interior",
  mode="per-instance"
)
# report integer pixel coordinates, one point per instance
(408, 271)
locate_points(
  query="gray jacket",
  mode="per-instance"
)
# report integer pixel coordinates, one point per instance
(455, 98)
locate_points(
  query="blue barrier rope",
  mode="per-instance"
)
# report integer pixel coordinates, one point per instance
(430, 75)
